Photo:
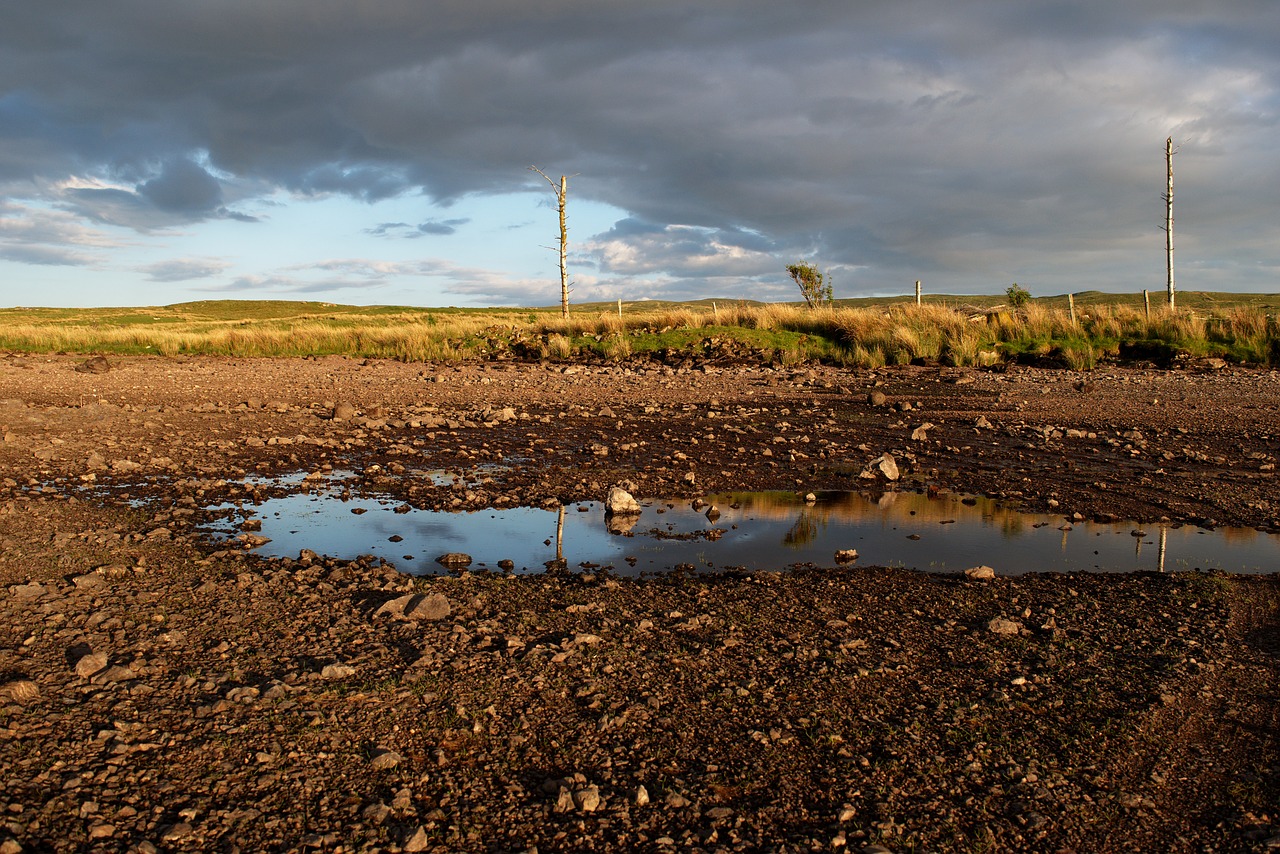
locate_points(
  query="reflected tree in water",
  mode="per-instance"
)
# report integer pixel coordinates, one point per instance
(803, 532)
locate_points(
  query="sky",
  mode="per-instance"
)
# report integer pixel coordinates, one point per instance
(377, 151)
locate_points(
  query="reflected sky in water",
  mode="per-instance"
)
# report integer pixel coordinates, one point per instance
(754, 531)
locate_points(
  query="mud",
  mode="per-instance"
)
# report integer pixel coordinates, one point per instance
(166, 692)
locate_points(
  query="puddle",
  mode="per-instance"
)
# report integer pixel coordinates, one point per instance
(754, 531)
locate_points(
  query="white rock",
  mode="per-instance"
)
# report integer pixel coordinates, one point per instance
(620, 501)
(979, 572)
(888, 467)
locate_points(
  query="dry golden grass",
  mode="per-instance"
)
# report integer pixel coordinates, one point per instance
(864, 337)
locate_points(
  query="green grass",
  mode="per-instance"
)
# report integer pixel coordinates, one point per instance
(947, 330)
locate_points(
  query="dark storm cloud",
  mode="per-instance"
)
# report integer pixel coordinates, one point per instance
(969, 143)
(182, 187)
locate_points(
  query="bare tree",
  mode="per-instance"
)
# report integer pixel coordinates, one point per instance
(1168, 217)
(562, 192)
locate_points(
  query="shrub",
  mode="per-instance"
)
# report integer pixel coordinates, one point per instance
(1018, 295)
(810, 281)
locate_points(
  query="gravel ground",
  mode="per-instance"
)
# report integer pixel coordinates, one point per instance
(159, 691)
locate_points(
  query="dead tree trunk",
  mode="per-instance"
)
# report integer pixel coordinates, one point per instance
(1168, 218)
(562, 192)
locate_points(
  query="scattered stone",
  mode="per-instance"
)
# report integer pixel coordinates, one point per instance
(416, 607)
(89, 580)
(94, 365)
(846, 555)
(975, 573)
(454, 560)
(876, 398)
(983, 424)
(376, 813)
(385, 759)
(588, 799)
(102, 831)
(90, 664)
(20, 691)
(921, 433)
(619, 502)
(420, 841)
(641, 796)
(174, 832)
(337, 671)
(1001, 626)
(343, 412)
(885, 464)
(28, 592)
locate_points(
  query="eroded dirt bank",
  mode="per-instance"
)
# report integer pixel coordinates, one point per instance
(162, 692)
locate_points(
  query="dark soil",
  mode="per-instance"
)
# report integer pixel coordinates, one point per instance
(159, 691)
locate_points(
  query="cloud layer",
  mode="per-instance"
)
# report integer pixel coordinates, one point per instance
(968, 144)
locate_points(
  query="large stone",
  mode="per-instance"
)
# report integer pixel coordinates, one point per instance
(420, 841)
(1001, 626)
(454, 560)
(846, 555)
(888, 466)
(88, 665)
(28, 592)
(21, 691)
(921, 433)
(416, 607)
(94, 365)
(337, 671)
(975, 573)
(621, 502)
(588, 799)
(385, 759)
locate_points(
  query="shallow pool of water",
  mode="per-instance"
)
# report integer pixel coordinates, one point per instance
(754, 531)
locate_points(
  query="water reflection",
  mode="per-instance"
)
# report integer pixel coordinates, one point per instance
(753, 531)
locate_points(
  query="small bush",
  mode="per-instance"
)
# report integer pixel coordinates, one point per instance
(1018, 295)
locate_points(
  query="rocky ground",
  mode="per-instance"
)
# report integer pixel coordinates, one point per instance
(159, 691)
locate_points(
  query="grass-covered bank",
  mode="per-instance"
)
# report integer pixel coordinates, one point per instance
(968, 331)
